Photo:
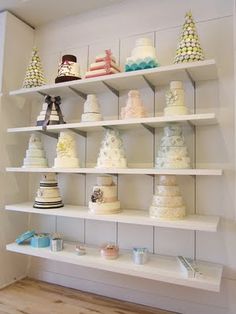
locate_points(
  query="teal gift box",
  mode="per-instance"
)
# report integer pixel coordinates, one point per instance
(40, 240)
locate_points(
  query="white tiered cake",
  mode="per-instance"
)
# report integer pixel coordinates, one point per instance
(48, 194)
(112, 153)
(66, 151)
(104, 198)
(175, 104)
(35, 154)
(91, 109)
(173, 152)
(167, 202)
(143, 56)
(134, 107)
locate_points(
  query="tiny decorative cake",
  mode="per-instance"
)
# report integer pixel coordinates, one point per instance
(143, 56)
(167, 203)
(35, 154)
(189, 48)
(51, 112)
(175, 104)
(134, 107)
(110, 251)
(48, 194)
(112, 154)
(68, 69)
(172, 152)
(91, 109)
(104, 65)
(66, 151)
(104, 197)
(80, 249)
(34, 76)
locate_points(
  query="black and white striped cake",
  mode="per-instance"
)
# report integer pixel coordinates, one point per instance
(48, 194)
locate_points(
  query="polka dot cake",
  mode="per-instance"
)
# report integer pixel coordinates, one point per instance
(34, 74)
(189, 48)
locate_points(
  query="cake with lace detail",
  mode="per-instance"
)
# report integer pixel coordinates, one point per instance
(104, 197)
(35, 154)
(134, 107)
(167, 202)
(48, 194)
(51, 112)
(172, 153)
(68, 69)
(143, 56)
(112, 153)
(175, 103)
(66, 151)
(104, 65)
(91, 109)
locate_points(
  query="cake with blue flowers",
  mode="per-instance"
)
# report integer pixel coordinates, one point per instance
(143, 56)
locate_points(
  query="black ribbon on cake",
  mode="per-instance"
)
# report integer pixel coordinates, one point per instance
(50, 101)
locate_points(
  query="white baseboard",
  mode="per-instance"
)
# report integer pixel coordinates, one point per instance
(12, 281)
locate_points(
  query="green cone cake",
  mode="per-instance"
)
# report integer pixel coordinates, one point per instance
(189, 49)
(34, 74)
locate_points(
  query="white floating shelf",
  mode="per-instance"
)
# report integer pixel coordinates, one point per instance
(153, 122)
(160, 268)
(137, 171)
(194, 71)
(139, 217)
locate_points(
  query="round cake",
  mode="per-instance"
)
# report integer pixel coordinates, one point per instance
(35, 154)
(175, 102)
(91, 109)
(66, 151)
(48, 194)
(167, 203)
(104, 197)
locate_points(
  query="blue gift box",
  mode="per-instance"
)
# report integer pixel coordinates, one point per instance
(40, 240)
(25, 236)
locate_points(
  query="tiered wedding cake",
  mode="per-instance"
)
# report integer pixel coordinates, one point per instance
(91, 109)
(143, 56)
(66, 151)
(112, 153)
(68, 69)
(104, 197)
(175, 104)
(167, 202)
(35, 154)
(134, 107)
(48, 194)
(51, 112)
(104, 65)
(173, 151)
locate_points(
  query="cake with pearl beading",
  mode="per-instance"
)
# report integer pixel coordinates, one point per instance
(172, 153)
(112, 154)
(167, 202)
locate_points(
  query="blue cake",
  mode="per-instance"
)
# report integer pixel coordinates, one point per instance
(143, 56)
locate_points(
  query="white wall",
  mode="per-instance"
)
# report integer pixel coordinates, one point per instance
(116, 27)
(15, 50)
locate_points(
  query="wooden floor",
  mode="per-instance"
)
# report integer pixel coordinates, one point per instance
(35, 297)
